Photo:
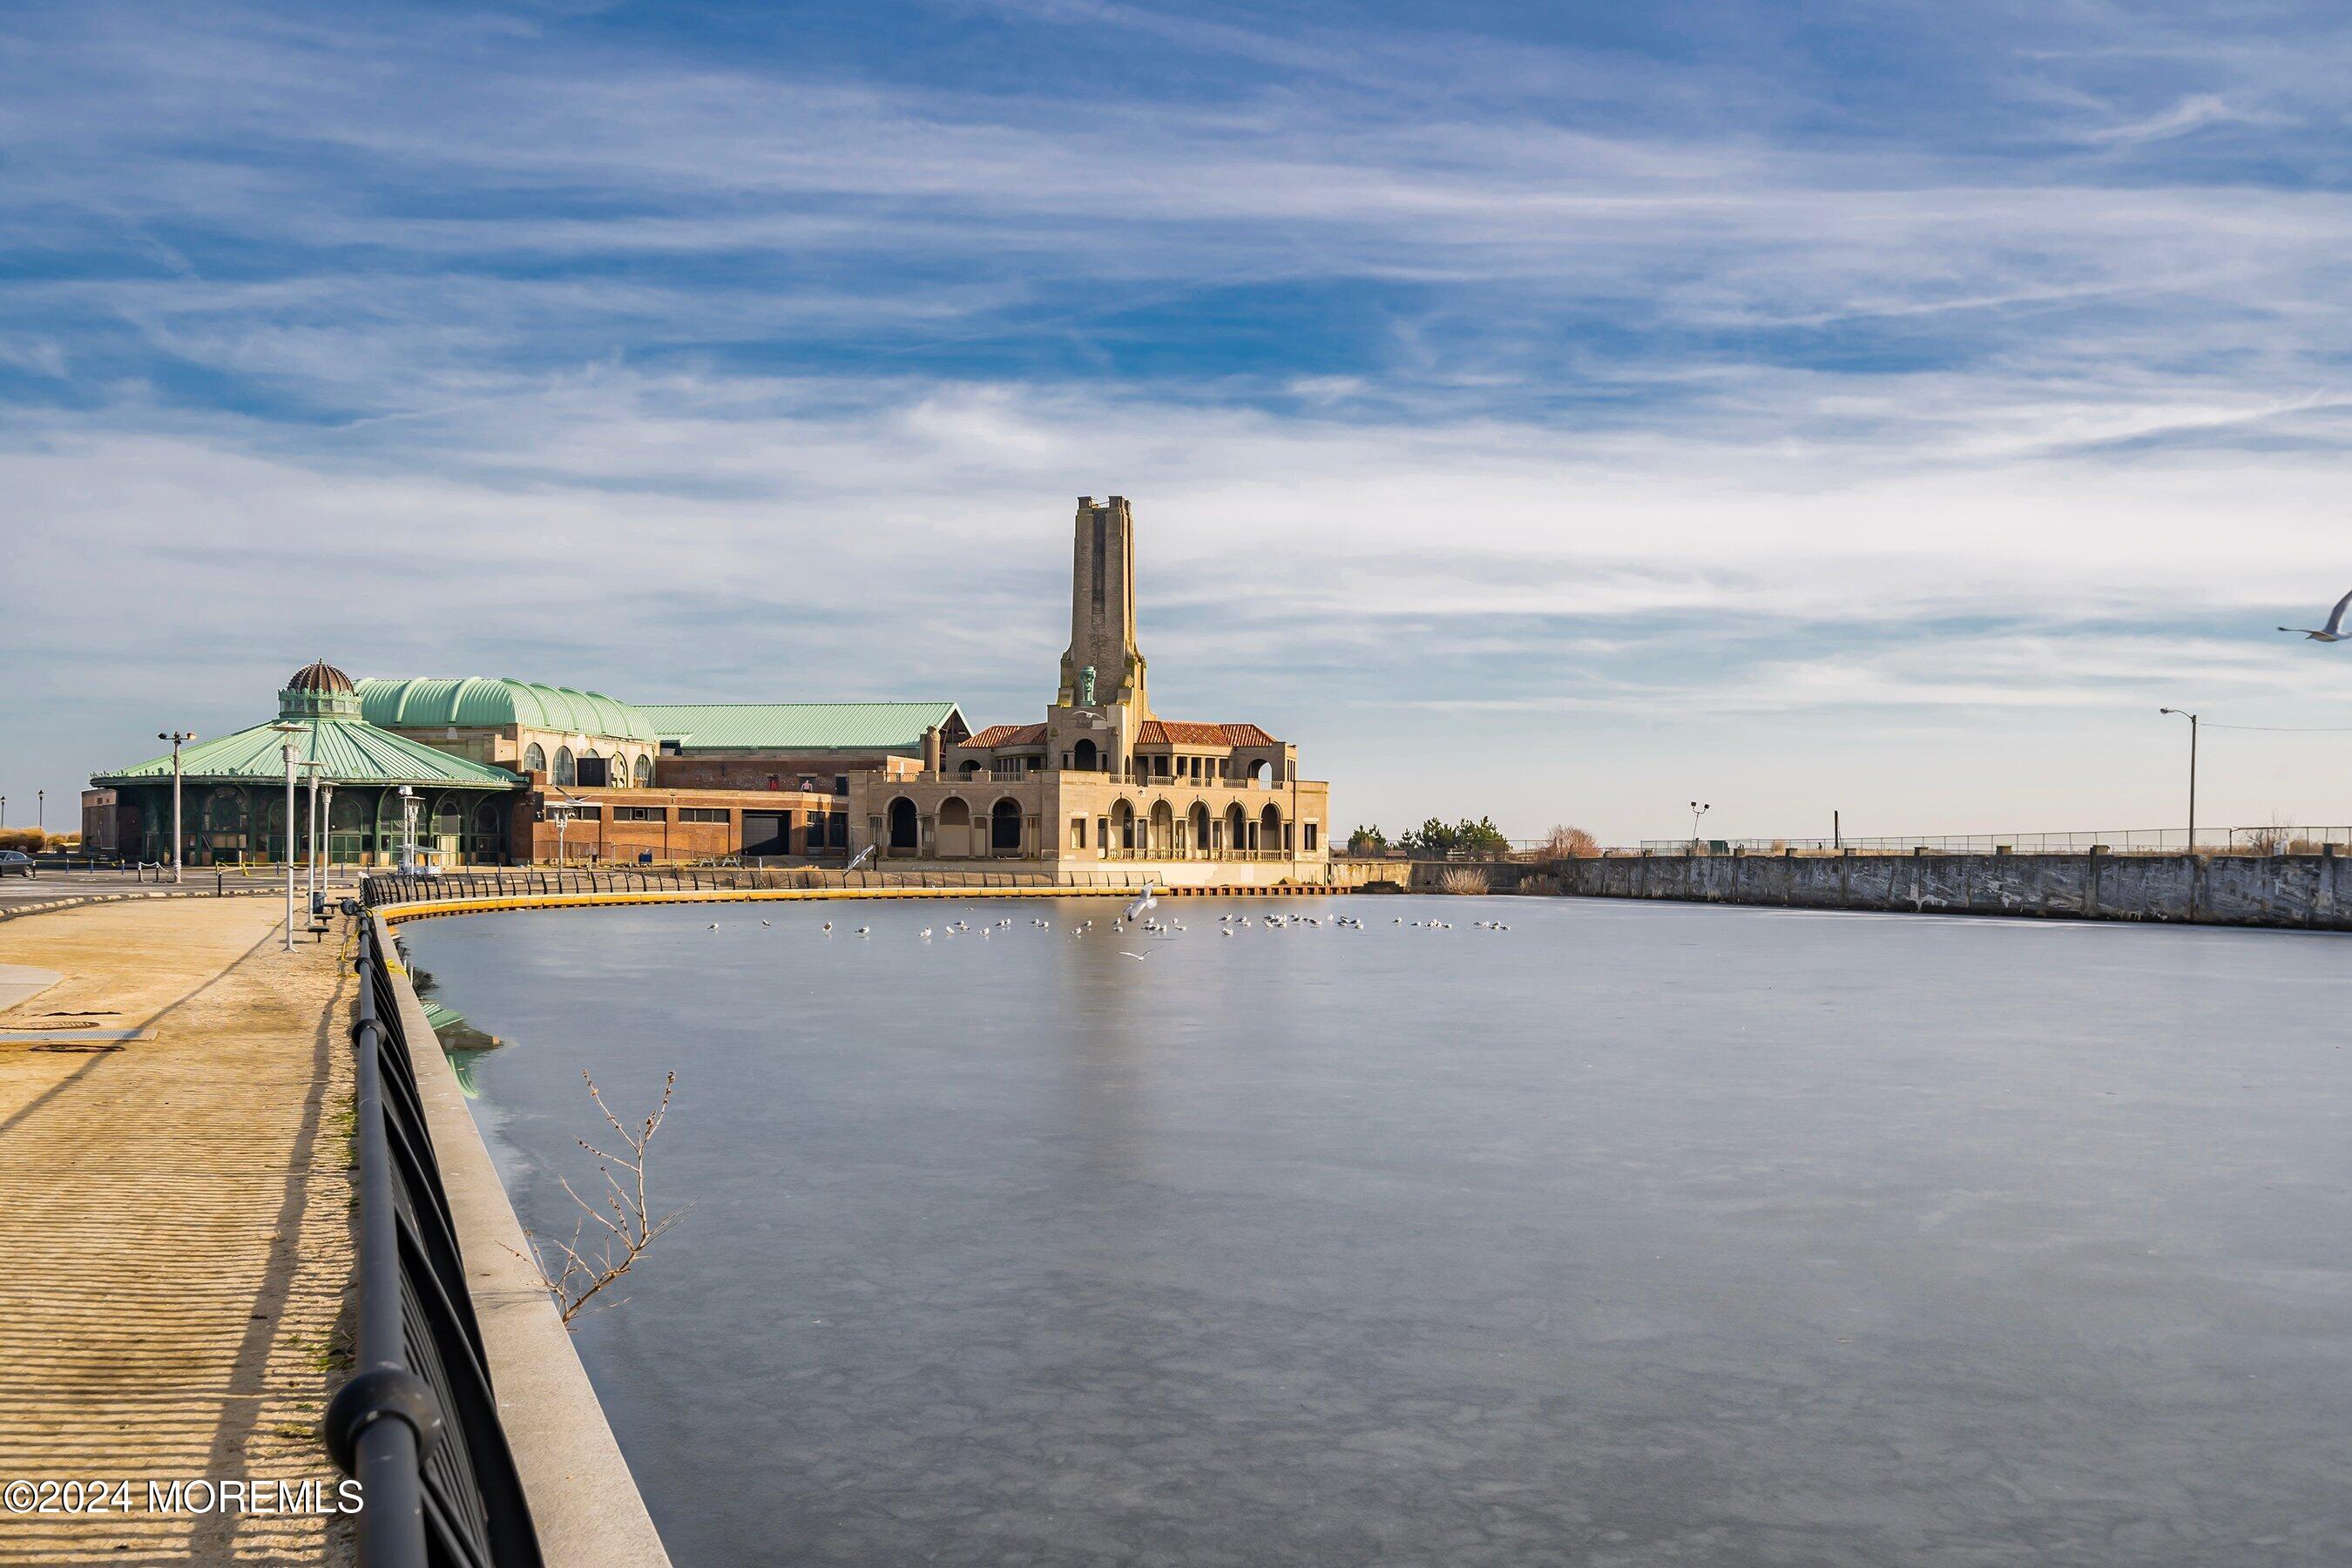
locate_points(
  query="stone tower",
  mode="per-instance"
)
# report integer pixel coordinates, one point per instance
(1102, 613)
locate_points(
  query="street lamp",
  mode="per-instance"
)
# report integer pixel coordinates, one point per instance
(286, 748)
(178, 738)
(563, 810)
(408, 831)
(310, 862)
(2184, 714)
(327, 820)
(1698, 811)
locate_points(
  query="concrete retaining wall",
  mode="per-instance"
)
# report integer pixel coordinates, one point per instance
(2299, 891)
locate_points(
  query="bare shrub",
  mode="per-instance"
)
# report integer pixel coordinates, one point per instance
(1565, 843)
(1462, 879)
(2304, 847)
(1543, 884)
(620, 1213)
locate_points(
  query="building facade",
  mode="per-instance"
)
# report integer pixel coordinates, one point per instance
(1102, 778)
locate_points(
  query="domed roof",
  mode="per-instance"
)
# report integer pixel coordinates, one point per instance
(320, 676)
(478, 702)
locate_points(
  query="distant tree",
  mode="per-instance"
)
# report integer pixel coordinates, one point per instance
(1565, 843)
(1368, 841)
(1479, 840)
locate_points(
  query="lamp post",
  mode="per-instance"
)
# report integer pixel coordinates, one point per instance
(1698, 811)
(327, 821)
(2184, 714)
(408, 831)
(286, 748)
(312, 768)
(564, 809)
(178, 738)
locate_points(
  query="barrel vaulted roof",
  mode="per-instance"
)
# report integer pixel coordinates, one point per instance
(496, 703)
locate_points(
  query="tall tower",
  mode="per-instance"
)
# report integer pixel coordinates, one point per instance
(1102, 667)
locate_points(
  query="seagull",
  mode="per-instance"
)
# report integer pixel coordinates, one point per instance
(1123, 953)
(2333, 631)
(828, 928)
(714, 925)
(927, 933)
(863, 929)
(764, 924)
(1143, 903)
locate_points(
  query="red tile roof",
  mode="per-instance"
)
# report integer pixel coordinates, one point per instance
(1162, 732)
(1009, 735)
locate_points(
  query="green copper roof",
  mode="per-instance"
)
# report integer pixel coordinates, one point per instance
(798, 726)
(354, 753)
(480, 702)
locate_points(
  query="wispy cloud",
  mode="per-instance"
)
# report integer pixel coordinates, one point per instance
(1706, 378)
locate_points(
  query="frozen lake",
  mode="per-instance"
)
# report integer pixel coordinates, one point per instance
(1635, 1234)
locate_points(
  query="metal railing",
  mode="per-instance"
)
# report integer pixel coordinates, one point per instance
(401, 888)
(417, 1424)
(2122, 840)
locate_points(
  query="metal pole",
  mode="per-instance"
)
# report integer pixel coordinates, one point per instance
(289, 844)
(2192, 784)
(311, 871)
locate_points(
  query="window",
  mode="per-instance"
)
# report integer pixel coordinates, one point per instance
(565, 773)
(638, 812)
(1078, 832)
(1310, 837)
(840, 784)
(581, 814)
(534, 758)
(703, 814)
(669, 748)
(644, 771)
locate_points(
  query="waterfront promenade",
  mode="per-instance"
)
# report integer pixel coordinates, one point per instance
(176, 1258)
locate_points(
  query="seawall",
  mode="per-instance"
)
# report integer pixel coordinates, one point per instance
(2294, 892)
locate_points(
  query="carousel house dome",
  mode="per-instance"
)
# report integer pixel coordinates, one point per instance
(322, 676)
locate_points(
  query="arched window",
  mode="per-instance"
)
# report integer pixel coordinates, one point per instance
(970, 768)
(1258, 773)
(490, 831)
(1005, 827)
(1085, 758)
(566, 774)
(1269, 829)
(643, 773)
(534, 758)
(903, 826)
(1199, 828)
(1236, 830)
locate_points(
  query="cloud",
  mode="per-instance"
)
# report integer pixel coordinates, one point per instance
(1695, 381)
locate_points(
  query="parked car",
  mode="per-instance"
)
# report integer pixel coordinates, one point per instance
(15, 863)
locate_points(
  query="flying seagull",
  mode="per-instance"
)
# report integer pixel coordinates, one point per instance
(2333, 631)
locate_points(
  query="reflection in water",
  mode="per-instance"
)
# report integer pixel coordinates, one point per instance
(1631, 1234)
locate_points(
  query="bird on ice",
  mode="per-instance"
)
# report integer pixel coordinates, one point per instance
(764, 924)
(828, 928)
(714, 925)
(2333, 631)
(863, 929)
(1123, 953)
(927, 933)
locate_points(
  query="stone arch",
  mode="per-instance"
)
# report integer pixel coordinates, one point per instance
(901, 826)
(1198, 822)
(1161, 840)
(1122, 824)
(1269, 829)
(1086, 757)
(1236, 830)
(1260, 774)
(969, 768)
(956, 838)
(1005, 827)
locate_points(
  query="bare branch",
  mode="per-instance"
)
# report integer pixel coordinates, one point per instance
(622, 1212)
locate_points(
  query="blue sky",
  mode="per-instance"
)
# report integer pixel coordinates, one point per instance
(1881, 407)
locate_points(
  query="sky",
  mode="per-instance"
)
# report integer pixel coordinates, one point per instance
(1554, 412)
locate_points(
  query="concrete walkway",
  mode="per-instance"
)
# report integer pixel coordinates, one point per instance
(175, 1259)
